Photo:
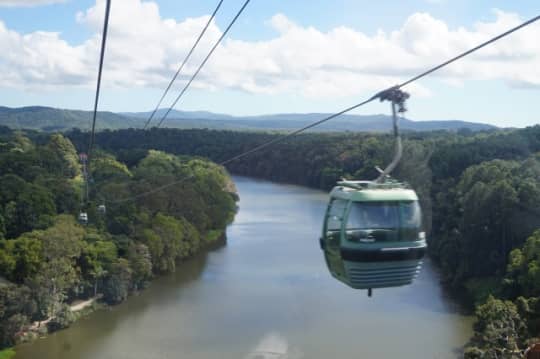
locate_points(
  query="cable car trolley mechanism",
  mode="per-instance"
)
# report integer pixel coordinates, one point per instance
(372, 232)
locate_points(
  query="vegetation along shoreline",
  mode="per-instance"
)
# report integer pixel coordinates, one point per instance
(54, 269)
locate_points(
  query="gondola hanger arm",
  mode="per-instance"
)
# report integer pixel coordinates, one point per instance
(397, 98)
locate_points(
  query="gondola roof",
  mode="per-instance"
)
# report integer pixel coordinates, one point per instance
(369, 191)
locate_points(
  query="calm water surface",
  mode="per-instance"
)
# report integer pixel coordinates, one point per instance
(266, 294)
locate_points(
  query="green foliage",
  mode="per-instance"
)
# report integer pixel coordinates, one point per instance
(106, 168)
(2, 227)
(16, 307)
(20, 258)
(11, 328)
(158, 163)
(204, 188)
(499, 330)
(522, 281)
(25, 207)
(118, 282)
(53, 119)
(7, 261)
(156, 248)
(523, 270)
(529, 309)
(481, 288)
(7, 353)
(165, 241)
(96, 259)
(504, 328)
(66, 153)
(64, 318)
(36, 183)
(213, 236)
(66, 194)
(140, 261)
(473, 352)
(61, 246)
(487, 216)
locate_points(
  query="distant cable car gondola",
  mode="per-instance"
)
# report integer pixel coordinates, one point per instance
(372, 232)
(83, 218)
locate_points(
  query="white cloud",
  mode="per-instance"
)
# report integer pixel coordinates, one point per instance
(28, 3)
(144, 49)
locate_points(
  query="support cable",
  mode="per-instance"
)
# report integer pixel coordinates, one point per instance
(380, 95)
(182, 65)
(96, 101)
(100, 70)
(203, 63)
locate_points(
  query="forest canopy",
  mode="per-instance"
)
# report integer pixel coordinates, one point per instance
(48, 259)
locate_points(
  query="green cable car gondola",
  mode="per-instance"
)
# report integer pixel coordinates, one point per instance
(372, 235)
(372, 232)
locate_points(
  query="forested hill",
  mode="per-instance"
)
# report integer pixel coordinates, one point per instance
(48, 260)
(479, 193)
(52, 119)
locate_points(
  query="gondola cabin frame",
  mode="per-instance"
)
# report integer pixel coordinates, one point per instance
(382, 255)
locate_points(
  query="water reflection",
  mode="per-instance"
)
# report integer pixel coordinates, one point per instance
(274, 346)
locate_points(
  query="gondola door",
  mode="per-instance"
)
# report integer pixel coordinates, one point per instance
(332, 235)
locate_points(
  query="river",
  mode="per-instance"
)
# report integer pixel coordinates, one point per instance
(266, 294)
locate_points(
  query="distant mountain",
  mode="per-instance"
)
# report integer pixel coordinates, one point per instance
(53, 119)
(179, 115)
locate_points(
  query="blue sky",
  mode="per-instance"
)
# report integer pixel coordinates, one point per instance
(502, 94)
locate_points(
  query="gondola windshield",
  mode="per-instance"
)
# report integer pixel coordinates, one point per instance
(383, 221)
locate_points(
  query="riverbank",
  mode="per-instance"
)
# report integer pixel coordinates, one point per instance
(77, 310)
(84, 308)
(55, 249)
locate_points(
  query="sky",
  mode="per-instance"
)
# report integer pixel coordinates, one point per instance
(282, 56)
